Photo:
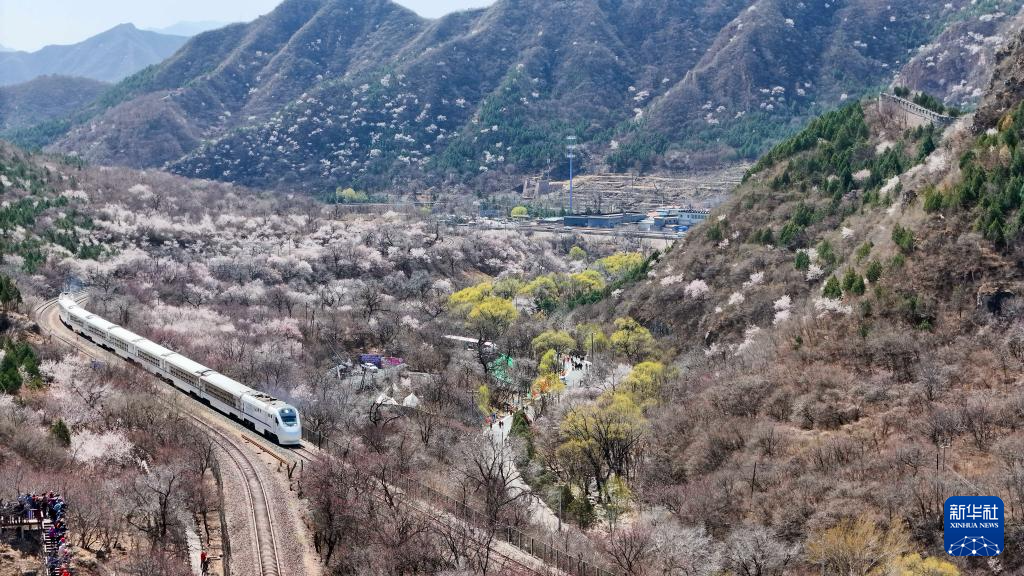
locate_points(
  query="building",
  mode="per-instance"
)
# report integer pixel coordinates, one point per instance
(601, 220)
(534, 188)
(674, 218)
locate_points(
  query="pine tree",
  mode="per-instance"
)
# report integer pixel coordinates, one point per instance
(803, 261)
(59, 430)
(832, 289)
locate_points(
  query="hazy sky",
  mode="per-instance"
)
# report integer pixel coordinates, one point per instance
(32, 24)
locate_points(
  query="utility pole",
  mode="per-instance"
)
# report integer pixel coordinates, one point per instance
(571, 155)
(560, 511)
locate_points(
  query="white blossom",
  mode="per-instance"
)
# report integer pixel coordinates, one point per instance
(696, 289)
(90, 447)
(670, 280)
(756, 279)
(782, 309)
(748, 339)
(826, 305)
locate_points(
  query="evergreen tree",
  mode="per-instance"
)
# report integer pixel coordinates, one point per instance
(60, 432)
(9, 294)
(832, 289)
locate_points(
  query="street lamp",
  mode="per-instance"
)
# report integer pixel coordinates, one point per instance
(570, 154)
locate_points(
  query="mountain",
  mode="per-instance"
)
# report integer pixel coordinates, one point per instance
(1007, 88)
(108, 57)
(44, 99)
(956, 67)
(6, 49)
(190, 28)
(853, 310)
(321, 93)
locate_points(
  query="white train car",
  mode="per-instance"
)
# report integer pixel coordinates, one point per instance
(150, 356)
(123, 342)
(257, 410)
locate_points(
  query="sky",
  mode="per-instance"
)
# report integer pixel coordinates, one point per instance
(32, 24)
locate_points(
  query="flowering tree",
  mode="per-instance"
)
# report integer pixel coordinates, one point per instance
(632, 340)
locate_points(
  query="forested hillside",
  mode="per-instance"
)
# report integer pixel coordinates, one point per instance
(48, 98)
(957, 66)
(795, 387)
(323, 93)
(845, 341)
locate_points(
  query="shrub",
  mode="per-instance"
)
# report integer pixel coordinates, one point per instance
(826, 254)
(789, 235)
(927, 147)
(763, 236)
(632, 340)
(583, 511)
(874, 271)
(803, 261)
(858, 287)
(903, 238)
(832, 289)
(864, 250)
(715, 232)
(932, 200)
(857, 546)
(350, 196)
(520, 427)
(620, 265)
(557, 340)
(19, 359)
(853, 283)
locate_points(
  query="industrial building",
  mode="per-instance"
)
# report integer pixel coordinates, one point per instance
(602, 220)
(673, 218)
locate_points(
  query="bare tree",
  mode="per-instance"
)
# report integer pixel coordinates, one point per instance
(755, 551)
(426, 423)
(371, 299)
(632, 548)
(491, 477)
(153, 497)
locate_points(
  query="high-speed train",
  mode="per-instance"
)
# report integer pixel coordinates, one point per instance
(257, 410)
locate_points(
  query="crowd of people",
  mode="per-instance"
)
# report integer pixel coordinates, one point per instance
(43, 507)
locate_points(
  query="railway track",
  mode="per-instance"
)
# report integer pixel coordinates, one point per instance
(442, 521)
(264, 537)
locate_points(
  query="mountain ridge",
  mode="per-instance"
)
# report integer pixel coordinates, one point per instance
(189, 28)
(44, 99)
(108, 56)
(369, 93)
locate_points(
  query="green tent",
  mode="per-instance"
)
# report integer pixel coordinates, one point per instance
(501, 367)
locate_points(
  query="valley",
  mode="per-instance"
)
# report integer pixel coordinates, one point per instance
(615, 287)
